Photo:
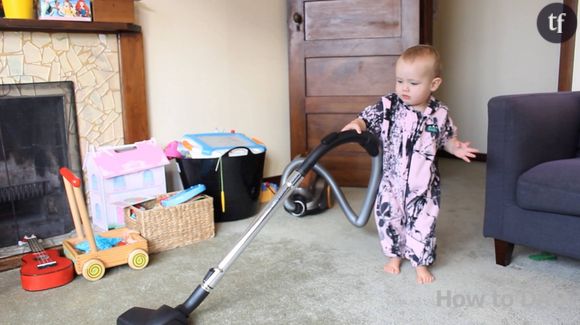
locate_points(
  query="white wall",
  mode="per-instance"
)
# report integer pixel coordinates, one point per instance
(218, 64)
(576, 72)
(490, 48)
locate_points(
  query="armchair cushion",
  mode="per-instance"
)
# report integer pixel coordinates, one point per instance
(552, 186)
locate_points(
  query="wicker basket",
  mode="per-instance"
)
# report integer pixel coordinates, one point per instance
(167, 228)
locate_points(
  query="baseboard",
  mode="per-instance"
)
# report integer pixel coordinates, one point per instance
(10, 262)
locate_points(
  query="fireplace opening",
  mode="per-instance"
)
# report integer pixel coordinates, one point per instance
(38, 135)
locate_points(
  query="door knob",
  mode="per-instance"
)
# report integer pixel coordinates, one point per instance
(297, 18)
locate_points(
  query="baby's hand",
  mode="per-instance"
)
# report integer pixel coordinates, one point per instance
(353, 125)
(463, 151)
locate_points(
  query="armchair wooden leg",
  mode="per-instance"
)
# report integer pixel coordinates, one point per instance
(503, 252)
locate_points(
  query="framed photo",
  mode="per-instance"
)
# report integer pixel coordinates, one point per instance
(73, 10)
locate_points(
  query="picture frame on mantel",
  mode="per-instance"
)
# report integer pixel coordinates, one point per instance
(107, 11)
(68, 10)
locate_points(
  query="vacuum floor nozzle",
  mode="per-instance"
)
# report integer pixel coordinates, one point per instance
(144, 316)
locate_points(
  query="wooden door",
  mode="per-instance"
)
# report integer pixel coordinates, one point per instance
(342, 58)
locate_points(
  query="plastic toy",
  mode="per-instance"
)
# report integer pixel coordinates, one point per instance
(93, 263)
(542, 256)
(171, 150)
(183, 196)
(213, 145)
(118, 173)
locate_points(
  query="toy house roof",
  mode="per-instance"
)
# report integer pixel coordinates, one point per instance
(128, 159)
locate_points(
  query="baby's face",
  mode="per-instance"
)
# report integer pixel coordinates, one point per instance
(415, 82)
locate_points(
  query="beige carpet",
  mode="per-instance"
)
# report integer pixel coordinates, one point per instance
(322, 270)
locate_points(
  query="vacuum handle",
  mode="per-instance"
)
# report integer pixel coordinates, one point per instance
(366, 139)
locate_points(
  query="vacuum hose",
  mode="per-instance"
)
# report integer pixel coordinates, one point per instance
(358, 220)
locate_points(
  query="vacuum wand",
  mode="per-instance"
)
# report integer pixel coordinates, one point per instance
(214, 275)
(178, 315)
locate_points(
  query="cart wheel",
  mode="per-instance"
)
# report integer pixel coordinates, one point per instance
(93, 270)
(138, 259)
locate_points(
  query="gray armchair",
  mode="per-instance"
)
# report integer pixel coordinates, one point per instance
(533, 174)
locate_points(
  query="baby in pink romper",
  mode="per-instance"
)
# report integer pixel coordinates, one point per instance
(412, 125)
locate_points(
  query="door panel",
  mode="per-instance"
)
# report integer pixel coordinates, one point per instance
(342, 104)
(322, 124)
(351, 47)
(345, 76)
(342, 59)
(327, 20)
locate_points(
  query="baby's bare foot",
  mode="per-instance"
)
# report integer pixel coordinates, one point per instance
(423, 275)
(393, 266)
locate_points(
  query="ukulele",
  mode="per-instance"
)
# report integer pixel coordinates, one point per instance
(44, 269)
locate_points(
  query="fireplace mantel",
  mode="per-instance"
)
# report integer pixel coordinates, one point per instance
(59, 26)
(132, 64)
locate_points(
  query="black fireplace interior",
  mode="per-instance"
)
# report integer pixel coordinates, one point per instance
(38, 135)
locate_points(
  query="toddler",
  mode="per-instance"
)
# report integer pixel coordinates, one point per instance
(412, 125)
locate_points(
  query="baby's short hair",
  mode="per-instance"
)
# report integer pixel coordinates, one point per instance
(423, 50)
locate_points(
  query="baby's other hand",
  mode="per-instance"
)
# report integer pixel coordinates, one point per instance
(464, 151)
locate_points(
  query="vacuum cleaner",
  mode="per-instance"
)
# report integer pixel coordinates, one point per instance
(312, 197)
(293, 175)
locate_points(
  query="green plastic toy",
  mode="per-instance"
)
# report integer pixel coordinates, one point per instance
(543, 256)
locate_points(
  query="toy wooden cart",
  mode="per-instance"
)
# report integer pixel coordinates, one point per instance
(93, 263)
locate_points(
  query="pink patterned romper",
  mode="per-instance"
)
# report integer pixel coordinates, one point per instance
(408, 200)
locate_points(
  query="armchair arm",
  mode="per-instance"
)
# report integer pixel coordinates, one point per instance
(524, 131)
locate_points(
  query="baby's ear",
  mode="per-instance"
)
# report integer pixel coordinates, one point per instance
(435, 83)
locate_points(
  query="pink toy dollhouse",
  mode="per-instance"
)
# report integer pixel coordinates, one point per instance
(121, 176)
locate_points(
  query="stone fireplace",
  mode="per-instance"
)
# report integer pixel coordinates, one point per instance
(90, 63)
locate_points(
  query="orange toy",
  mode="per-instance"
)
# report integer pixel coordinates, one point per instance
(93, 263)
